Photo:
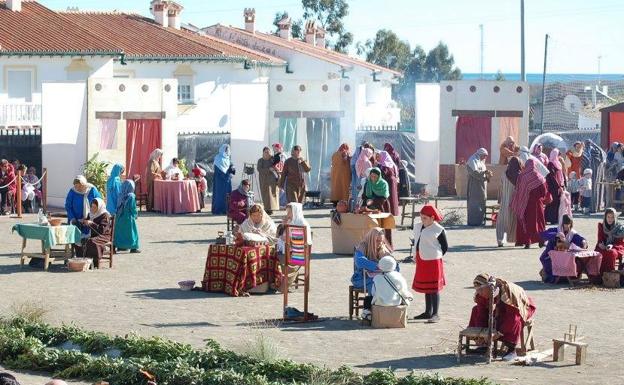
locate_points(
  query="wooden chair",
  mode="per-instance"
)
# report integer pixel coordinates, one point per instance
(357, 295)
(296, 253)
(141, 196)
(109, 248)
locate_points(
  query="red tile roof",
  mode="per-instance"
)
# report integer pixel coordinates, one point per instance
(141, 38)
(314, 51)
(36, 29)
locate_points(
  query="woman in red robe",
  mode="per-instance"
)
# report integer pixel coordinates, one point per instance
(512, 308)
(529, 198)
(390, 173)
(610, 241)
(575, 156)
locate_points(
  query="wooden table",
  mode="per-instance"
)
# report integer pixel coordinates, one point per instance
(50, 236)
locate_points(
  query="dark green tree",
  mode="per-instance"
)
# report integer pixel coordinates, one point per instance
(330, 15)
(386, 50)
(297, 25)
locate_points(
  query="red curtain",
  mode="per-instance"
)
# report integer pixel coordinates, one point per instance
(472, 133)
(616, 127)
(142, 137)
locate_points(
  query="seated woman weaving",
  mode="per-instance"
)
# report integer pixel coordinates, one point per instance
(512, 308)
(259, 223)
(366, 257)
(564, 234)
(98, 223)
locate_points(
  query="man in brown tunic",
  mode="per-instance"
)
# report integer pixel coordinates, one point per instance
(292, 179)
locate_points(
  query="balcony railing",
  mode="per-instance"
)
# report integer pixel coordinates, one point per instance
(20, 114)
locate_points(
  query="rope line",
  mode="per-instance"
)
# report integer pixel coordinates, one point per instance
(10, 183)
(38, 181)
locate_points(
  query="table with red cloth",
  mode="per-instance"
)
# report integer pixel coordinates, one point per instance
(176, 196)
(234, 270)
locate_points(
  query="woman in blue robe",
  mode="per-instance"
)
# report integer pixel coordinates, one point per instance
(113, 188)
(78, 202)
(222, 180)
(126, 234)
(565, 233)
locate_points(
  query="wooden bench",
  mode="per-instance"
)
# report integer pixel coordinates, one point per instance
(559, 348)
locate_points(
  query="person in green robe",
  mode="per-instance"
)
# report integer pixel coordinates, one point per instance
(126, 234)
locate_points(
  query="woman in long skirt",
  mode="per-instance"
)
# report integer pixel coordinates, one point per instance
(340, 174)
(555, 182)
(222, 180)
(506, 220)
(390, 173)
(153, 172)
(268, 177)
(126, 235)
(527, 203)
(476, 193)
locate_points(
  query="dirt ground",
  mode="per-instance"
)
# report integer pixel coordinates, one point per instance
(141, 294)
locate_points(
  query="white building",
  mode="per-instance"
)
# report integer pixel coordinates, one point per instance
(88, 79)
(322, 98)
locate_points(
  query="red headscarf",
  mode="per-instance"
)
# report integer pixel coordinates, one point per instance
(395, 156)
(528, 180)
(277, 146)
(431, 211)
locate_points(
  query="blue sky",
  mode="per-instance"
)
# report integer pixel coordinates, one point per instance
(580, 30)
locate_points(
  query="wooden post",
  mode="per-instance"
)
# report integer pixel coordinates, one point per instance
(44, 190)
(18, 197)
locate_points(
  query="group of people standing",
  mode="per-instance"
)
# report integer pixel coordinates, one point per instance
(31, 186)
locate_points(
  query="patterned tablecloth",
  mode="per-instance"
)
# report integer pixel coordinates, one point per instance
(234, 270)
(49, 235)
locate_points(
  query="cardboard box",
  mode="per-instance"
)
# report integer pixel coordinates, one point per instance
(389, 316)
(353, 228)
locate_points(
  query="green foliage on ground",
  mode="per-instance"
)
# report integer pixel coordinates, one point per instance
(119, 360)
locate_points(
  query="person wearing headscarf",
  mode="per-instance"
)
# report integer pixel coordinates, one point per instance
(260, 223)
(376, 191)
(611, 173)
(199, 175)
(31, 189)
(566, 234)
(340, 174)
(113, 188)
(507, 150)
(527, 203)
(173, 171)
(525, 154)
(8, 186)
(98, 223)
(391, 288)
(222, 180)
(390, 173)
(555, 181)
(476, 192)
(575, 156)
(431, 245)
(293, 176)
(512, 308)
(126, 233)
(153, 172)
(362, 167)
(595, 159)
(78, 202)
(610, 241)
(539, 154)
(396, 158)
(355, 178)
(241, 200)
(373, 247)
(268, 177)
(279, 158)
(506, 219)
(405, 189)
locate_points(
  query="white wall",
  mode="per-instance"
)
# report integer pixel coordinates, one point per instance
(427, 139)
(484, 98)
(63, 136)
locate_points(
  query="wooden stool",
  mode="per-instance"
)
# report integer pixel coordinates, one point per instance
(469, 338)
(490, 211)
(559, 346)
(356, 301)
(404, 201)
(526, 340)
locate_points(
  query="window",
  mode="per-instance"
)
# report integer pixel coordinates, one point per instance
(20, 85)
(185, 89)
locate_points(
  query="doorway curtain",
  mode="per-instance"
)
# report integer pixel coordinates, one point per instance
(323, 136)
(287, 133)
(142, 137)
(616, 127)
(472, 133)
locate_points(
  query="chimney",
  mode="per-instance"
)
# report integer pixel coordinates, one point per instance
(14, 5)
(159, 10)
(285, 26)
(250, 19)
(173, 14)
(320, 37)
(310, 32)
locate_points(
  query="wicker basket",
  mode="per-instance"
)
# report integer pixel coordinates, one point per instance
(55, 221)
(79, 264)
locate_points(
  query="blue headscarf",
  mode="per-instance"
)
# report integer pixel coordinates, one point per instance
(127, 190)
(222, 160)
(113, 186)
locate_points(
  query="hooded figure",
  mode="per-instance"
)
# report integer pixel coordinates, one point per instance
(390, 287)
(476, 192)
(126, 234)
(113, 188)
(222, 180)
(152, 173)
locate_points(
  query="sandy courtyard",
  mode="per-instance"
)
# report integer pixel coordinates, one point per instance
(141, 294)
